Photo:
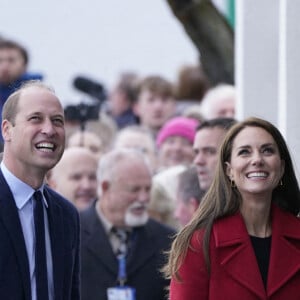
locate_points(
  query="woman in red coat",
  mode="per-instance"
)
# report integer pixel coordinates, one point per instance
(244, 240)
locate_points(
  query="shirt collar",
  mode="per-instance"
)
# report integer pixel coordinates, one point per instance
(106, 224)
(21, 191)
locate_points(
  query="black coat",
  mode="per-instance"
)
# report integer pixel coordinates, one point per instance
(100, 267)
(64, 235)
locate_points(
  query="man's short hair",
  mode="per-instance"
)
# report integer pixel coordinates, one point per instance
(157, 85)
(109, 162)
(223, 123)
(9, 44)
(128, 85)
(10, 107)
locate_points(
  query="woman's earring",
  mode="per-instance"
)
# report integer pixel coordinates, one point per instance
(232, 183)
(280, 182)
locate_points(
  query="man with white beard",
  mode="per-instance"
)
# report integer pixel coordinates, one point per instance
(109, 265)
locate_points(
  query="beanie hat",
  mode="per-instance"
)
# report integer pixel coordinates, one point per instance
(178, 126)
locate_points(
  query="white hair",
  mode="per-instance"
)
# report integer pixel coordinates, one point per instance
(213, 95)
(109, 162)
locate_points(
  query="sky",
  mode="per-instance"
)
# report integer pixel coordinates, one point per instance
(97, 39)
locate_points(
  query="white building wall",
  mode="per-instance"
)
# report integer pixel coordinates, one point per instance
(268, 65)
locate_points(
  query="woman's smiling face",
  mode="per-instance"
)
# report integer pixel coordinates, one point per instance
(255, 164)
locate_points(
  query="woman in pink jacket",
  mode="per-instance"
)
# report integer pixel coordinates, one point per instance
(244, 240)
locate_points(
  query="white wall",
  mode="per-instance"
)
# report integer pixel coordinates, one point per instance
(268, 64)
(97, 38)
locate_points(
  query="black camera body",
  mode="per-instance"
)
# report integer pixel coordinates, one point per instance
(82, 112)
(85, 112)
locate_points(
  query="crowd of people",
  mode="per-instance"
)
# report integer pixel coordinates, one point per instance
(165, 194)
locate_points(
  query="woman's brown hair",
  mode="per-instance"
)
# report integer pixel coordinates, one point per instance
(222, 200)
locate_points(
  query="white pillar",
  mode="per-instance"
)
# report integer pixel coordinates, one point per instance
(292, 71)
(268, 65)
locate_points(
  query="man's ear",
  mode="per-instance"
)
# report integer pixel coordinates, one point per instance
(105, 185)
(194, 204)
(51, 183)
(6, 130)
(50, 179)
(136, 108)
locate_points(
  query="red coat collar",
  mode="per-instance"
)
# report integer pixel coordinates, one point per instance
(237, 257)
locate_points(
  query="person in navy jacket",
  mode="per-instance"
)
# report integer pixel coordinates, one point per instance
(34, 135)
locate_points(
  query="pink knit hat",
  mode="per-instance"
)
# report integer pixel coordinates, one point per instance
(178, 126)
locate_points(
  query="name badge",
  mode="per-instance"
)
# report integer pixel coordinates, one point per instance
(121, 293)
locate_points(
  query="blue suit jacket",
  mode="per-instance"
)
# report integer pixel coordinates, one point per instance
(64, 236)
(146, 257)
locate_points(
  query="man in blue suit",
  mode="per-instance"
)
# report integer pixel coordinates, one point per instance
(33, 131)
(107, 262)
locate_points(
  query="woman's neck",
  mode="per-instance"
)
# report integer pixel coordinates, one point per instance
(257, 218)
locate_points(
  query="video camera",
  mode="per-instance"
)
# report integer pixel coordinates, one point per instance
(84, 112)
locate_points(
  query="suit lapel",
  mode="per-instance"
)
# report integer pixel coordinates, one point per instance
(285, 254)
(97, 242)
(143, 240)
(236, 255)
(57, 238)
(10, 218)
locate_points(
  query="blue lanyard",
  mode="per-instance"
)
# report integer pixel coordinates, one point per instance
(122, 276)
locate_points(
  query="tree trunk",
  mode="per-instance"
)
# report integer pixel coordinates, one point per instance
(211, 34)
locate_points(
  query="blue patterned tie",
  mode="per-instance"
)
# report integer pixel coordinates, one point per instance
(123, 237)
(40, 248)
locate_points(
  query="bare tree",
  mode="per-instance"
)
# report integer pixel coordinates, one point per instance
(211, 34)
